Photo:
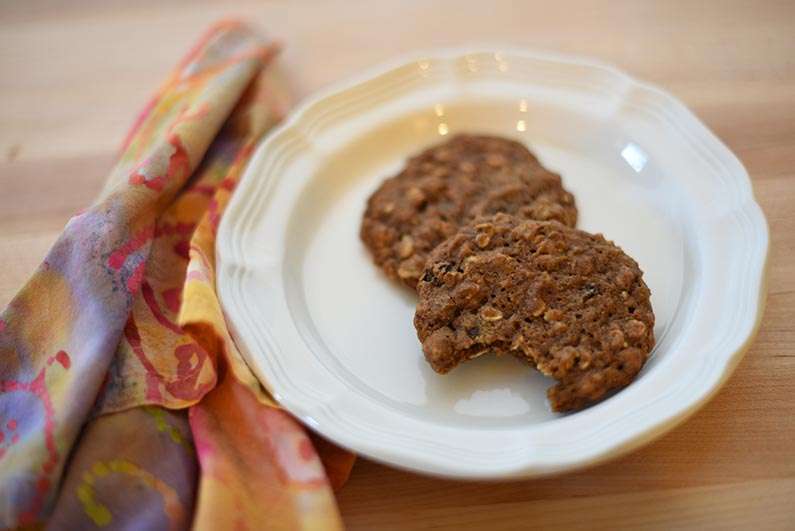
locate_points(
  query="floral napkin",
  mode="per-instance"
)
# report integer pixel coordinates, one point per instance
(124, 402)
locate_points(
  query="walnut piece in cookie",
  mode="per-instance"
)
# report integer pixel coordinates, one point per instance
(447, 186)
(572, 304)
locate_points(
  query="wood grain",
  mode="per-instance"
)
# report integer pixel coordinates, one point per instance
(75, 73)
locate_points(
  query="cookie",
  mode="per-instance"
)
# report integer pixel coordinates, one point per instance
(572, 304)
(450, 184)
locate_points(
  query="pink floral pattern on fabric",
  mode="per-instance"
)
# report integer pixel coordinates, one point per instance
(122, 314)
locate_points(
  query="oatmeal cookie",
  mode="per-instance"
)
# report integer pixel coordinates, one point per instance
(447, 186)
(572, 304)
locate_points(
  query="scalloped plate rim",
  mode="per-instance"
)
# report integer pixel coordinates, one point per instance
(225, 261)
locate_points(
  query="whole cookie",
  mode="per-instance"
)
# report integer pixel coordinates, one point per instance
(450, 184)
(569, 302)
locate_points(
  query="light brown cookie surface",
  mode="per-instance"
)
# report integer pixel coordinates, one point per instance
(450, 184)
(572, 304)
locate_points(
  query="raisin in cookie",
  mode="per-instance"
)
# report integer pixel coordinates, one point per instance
(569, 302)
(450, 184)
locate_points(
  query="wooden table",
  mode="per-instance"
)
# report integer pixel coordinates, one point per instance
(75, 73)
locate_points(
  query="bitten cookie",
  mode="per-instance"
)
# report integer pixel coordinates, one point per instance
(571, 303)
(447, 186)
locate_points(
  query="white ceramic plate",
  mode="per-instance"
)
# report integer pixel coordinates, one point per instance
(333, 339)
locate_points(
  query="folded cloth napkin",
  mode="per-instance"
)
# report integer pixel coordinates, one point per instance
(119, 332)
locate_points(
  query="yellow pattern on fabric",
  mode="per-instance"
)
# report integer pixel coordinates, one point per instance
(99, 513)
(123, 314)
(162, 425)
